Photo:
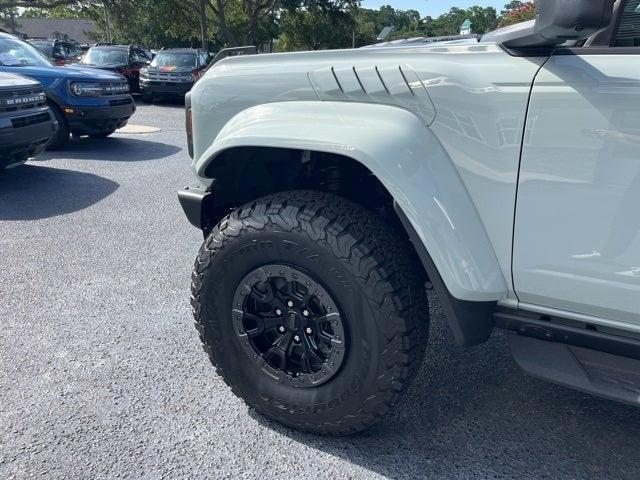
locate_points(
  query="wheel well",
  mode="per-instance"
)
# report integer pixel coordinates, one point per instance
(243, 174)
(54, 105)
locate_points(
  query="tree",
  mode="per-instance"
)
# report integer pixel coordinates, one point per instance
(8, 18)
(516, 12)
(317, 24)
(240, 21)
(407, 23)
(483, 19)
(35, 3)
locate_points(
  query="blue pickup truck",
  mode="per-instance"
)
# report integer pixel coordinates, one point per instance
(84, 102)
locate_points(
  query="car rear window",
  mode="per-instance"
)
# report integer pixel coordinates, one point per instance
(629, 28)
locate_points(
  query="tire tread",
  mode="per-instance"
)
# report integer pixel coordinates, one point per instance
(385, 265)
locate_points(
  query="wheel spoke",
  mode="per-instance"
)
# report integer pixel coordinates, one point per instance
(263, 297)
(306, 362)
(276, 351)
(262, 323)
(276, 311)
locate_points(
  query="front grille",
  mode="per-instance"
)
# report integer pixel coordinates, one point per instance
(22, 99)
(115, 88)
(168, 77)
(121, 101)
(30, 120)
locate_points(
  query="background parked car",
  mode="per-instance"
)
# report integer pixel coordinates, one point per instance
(26, 123)
(127, 60)
(84, 102)
(60, 52)
(172, 72)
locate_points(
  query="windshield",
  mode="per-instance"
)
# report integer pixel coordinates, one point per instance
(169, 59)
(105, 56)
(16, 53)
(67, 49)
(45, 48)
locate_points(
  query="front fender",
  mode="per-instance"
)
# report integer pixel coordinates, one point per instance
(409, 161)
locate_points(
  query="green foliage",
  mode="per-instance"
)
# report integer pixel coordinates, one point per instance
(316, 24)
(295, 24)
(370, 23)
(517, 11)
(483, 20)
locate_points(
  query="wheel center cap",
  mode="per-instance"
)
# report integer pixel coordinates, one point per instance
(294, 321)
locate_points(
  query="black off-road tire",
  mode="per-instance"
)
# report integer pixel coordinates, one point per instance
(362, 263)
(62, 135)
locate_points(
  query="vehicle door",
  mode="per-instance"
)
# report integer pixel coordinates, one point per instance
(577, 226)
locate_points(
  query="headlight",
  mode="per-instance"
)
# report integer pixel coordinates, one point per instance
(86, 89)
(144, 72)
(186, 77)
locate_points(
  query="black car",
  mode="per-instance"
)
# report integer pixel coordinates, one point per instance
(127, 60)
(172, 73)
(60, 52)
(26, 123)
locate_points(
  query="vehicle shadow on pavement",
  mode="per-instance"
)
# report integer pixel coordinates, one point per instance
(168, 102)
(113, 149)
(473, 414)
(34, 192)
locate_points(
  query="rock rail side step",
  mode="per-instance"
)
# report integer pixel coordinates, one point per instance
(598, 373)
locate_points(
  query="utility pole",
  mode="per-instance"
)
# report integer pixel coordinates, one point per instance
(203, 25)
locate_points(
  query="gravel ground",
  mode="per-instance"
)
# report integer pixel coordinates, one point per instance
(102, 375)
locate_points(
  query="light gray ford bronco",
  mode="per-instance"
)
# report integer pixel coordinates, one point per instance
(504, 171)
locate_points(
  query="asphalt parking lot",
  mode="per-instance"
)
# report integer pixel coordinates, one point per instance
(102, 375)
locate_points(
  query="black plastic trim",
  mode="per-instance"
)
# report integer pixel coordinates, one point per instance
(195, 202)
(597, 51)
(545, 329)
(471, 322)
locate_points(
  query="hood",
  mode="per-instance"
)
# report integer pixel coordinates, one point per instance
(67, 73)
(9, 81)
(93, 66)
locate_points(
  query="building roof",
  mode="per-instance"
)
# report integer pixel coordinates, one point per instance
(80, 29)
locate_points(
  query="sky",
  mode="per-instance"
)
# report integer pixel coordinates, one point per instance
(434, 7)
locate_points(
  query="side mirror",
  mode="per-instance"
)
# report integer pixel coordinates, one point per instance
(556, 22)
(561, 20)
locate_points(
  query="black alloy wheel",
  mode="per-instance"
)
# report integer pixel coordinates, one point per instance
(289, 325)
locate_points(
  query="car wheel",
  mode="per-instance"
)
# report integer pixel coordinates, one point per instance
(312, 309)
(61, 137)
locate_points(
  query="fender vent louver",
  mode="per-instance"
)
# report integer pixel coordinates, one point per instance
(388, 85)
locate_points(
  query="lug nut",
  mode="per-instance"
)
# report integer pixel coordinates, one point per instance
(281, 329)
(308, 330)
(289, 303)
(278, 312)
(296, 338)
(305, 312)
